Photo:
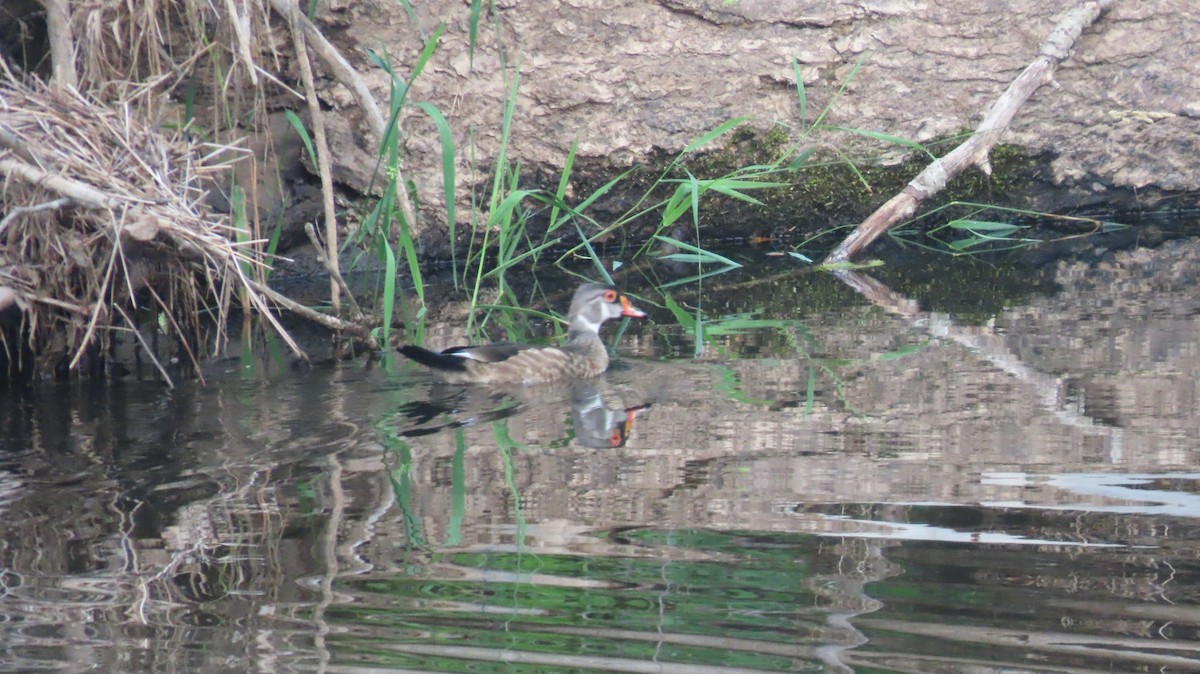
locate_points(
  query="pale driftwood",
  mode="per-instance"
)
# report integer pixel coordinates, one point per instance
(974, 152)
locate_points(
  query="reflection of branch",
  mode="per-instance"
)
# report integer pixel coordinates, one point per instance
(974, 152)
(337, 508)
(880, 295)
(993, 348)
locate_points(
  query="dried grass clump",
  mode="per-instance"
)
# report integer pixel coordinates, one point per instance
(104, 221)
(130, 50)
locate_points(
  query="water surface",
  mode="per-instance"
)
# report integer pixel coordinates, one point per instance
(868, 474)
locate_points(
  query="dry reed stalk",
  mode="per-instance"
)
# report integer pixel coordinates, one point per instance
(137, 220)
(101, 214)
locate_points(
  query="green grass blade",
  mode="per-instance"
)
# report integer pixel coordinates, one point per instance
(507, 445)
(426, 53)
(473, 29)
(446, 138)
(734, 193)
(583, 205)
(997, 229)
(838, 94)
(458, 489)
(695, 200)
(503, 211)
(412, 13)
(686, 257)
(697, 277)
(969, 242)
(677, 205)
(708, 137)
(563, 181)
(810, 390)
(298, 125)
(241, 224)
(801, 96)
(508, 262)
(849, 266)
(904, 351)
(681, 315)
(886, 138)
(519, 310)
(801, 160)
(272, 246)
(510, 105)
(741, 184)
(707, 254)
(389, 290)
(592, 254)
(857, 173)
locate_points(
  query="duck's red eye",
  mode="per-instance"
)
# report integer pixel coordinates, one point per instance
(610, 296)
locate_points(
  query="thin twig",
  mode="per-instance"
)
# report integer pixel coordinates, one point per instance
(331, 322)
(334, 273)
(974, 152)
(146, 347)
(166, 311)
(67, 306)
(100, 304)
(15, 211)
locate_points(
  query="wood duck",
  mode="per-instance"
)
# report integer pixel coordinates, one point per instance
(583, 355)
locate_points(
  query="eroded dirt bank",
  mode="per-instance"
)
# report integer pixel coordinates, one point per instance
(626, 79)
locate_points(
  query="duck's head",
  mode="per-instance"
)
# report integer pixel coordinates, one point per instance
(595, 303)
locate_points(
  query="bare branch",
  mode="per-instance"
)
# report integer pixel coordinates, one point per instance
(974, 152)
(331, 267)
(62, 43)
(331, 322)
(347, 75)
(78, 191)
(15, 211)
(323, 164)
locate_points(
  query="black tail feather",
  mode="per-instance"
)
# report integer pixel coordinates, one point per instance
(433, 359)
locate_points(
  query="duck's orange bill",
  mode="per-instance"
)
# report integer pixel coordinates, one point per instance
(629, 310)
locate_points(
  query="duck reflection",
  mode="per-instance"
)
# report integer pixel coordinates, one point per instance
(597, 419)
(596, 424)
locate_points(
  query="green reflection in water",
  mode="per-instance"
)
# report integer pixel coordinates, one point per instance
(753, 608)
